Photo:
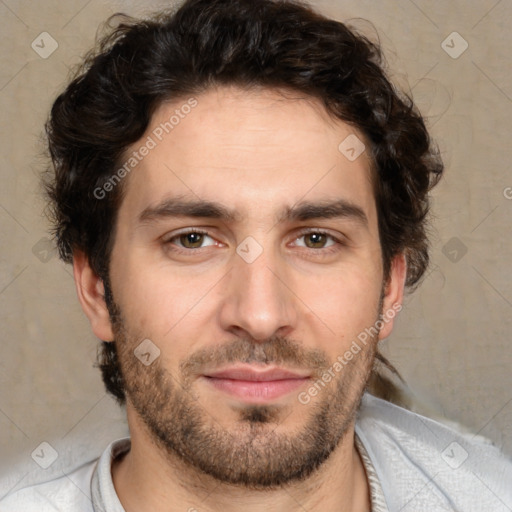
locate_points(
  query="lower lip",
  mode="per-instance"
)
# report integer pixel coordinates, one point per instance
(251, 391)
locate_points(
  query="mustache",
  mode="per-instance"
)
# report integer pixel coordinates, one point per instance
(277, 350)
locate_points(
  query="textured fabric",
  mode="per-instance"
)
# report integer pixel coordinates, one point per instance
(378, 501)
(425, 466)
(104, 497)
(413, 464)
(71, 492)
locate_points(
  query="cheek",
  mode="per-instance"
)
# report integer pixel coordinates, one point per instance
(345, 304)
(160, 302)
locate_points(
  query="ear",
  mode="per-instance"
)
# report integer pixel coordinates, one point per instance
(91, 294)
(393, 294)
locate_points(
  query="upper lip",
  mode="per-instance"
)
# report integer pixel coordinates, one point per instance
(257, 375)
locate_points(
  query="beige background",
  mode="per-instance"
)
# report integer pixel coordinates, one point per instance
(452, 343)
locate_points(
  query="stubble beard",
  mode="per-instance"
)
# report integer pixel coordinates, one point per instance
(251, 453)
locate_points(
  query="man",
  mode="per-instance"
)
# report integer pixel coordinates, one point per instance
(243, 196)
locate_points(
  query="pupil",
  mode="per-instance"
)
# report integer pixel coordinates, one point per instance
(191, 239)
(316, 238)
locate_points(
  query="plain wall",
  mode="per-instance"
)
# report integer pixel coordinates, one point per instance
(451, 343)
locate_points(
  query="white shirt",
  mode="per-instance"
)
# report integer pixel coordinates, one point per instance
(413, 464)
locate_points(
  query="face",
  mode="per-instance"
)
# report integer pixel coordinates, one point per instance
(247, 243)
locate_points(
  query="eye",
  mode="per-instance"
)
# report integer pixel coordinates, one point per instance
(198, 239)
(316, 240)
(190, 240)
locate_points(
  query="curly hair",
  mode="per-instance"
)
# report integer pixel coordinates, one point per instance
(279, 44)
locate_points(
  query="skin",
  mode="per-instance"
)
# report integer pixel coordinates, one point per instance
(256, 153)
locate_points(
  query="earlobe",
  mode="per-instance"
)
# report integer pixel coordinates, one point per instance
(91, 294)
(393, 294)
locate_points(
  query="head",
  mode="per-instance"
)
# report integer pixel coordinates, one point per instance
(239, 182)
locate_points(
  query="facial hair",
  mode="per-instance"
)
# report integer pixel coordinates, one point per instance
(250, 453)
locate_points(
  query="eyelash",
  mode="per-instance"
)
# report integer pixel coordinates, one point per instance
(324, 250)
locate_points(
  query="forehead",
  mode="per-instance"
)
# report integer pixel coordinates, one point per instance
(255, 151)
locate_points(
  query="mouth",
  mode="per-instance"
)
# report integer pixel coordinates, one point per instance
(255, 385)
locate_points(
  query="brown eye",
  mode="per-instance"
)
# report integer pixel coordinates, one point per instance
(191, 240)
(315, 240)
(319, 241)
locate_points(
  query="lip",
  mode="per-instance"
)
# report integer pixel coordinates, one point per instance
(253, 385)
(252, 373)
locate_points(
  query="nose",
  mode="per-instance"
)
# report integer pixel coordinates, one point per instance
(258, 301)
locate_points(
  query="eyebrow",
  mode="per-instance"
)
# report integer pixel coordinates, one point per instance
(339, 208)
(177, 207)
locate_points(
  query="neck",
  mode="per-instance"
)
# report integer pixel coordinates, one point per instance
(146, 479)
